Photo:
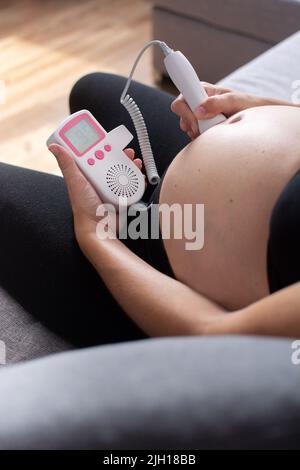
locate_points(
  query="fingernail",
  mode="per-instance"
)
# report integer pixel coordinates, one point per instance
(200, 112)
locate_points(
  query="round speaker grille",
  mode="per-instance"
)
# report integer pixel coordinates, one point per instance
(122, 180)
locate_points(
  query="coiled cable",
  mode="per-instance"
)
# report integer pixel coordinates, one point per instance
(138, 120)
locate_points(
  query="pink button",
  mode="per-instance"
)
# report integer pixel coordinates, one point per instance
(91, 161)
(107, 148)
(99, 154)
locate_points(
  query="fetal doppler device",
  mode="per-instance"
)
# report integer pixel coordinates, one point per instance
(99, 154)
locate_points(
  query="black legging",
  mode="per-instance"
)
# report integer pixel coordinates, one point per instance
(42, 266)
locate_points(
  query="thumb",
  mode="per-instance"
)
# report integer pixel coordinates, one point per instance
(73, 177)
(64, 159)
(215, 105)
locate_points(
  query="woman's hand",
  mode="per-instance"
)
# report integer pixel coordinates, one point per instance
(220, 100)
(83, 197)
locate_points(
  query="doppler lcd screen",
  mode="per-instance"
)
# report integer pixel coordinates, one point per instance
(83, 135)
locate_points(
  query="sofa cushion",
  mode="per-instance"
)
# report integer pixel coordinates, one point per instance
(23, 336)
(268, 20)
(275, 73)
(178, 393)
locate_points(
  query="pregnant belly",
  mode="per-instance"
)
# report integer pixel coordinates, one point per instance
(237, 170)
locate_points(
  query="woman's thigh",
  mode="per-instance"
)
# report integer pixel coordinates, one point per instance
(43, 268)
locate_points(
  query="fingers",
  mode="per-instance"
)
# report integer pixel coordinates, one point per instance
(83, 196)
(220, 100)
(226, 103)
(188, 122)
(65, 161)
(209, 88)
(180, 107)
(212, 90)
(184, 125)
(130, 153)
(73, 177)
(137, 161)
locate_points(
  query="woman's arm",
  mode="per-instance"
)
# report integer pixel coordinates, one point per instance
(160, 305)
(220, 100)
(163, 306)
(275, 315)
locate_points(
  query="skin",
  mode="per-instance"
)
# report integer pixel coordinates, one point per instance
(194, 303)
(225, 169)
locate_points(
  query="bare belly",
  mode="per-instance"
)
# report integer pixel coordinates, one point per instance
(237, 170)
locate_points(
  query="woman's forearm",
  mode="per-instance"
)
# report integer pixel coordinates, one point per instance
(162, 306)
(276, 102)
(275, 315)
(158, 304)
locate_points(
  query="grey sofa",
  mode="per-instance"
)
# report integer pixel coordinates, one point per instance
(219, 36)
(179, 393)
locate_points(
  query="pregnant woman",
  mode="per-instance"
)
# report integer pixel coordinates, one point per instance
(245, 280)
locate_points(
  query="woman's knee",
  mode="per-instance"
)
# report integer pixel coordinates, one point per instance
(94, 90)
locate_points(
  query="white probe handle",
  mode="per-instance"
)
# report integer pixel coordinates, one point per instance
(186, 80)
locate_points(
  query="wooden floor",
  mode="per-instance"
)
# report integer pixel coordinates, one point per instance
(45, 46)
